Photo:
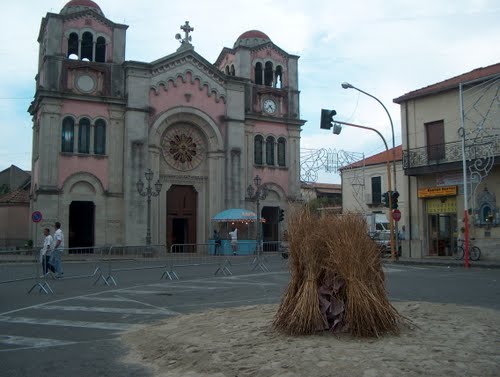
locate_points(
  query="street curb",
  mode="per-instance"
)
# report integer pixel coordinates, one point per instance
(451, 263)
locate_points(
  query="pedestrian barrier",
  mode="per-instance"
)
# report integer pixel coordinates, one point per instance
(103, 263)
(130, 258)
(182, 255)
(22, 265)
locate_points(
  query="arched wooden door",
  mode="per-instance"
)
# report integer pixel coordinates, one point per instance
(182, 202)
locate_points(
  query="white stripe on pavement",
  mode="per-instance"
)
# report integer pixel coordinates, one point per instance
(109, 299)
(64, 323)
(108, 310)
(32, 342)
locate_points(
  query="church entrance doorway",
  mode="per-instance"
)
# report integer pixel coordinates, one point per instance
(81, 224)
(182, 202)
(270, 229)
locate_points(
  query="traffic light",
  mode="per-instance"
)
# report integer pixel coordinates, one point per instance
(337, 128)
(385, 199)
(282, 215)
(327, 119)
(394, 199)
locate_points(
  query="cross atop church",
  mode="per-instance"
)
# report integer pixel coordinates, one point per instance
(186, 28)
(185, 42)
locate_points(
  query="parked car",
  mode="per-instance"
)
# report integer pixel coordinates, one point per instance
(383, 241)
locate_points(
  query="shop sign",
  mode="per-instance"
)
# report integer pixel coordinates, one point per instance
(441, 205)
(432, 192)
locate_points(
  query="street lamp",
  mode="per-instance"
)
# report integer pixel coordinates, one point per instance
(256, 195)
(346, 85)
(148, 193)
(337, 125)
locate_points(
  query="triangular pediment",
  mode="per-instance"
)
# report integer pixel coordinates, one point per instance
(166, 71)
(190, 56)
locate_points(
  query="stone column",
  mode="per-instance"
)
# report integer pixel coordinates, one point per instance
(157, 211)
(293, 161)
(50, 134)
(91, 138)
(235, 177)
(216, 187)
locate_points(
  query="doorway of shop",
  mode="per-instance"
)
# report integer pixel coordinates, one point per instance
(442, 233)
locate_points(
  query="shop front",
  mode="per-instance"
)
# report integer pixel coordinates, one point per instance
(441, 215)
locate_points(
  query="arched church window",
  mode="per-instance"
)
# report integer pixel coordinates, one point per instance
(68, 134)
(83, 135)
(233, 72)
(73, 46)
(281, 151)
(100, 50)
(100, 137)
(227, 70)
(268, 74)
(270, 150)
(258, 73)
(278, 79)
(258, 144)
(87, 46)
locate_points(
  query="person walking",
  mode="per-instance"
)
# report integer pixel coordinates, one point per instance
(46, 252)
(58, 249)
(234, 240)
(217, 241)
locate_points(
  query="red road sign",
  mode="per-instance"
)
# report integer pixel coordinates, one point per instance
(36, 216)
(396, 215)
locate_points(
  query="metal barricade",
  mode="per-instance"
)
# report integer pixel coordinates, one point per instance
(122, 258)
(183, 255)
(18, 265)
(266, 249)
(22, 265)
(103, 262)
(196, 254)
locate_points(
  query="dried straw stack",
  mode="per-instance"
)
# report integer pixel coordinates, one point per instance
(329, 249)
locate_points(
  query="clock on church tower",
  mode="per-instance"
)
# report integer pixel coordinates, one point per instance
(269, 106)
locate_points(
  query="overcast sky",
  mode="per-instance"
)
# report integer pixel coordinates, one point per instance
(385, 47)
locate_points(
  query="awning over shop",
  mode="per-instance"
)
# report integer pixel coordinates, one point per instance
(236, 214)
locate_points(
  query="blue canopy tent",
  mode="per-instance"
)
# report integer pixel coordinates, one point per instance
(235, 214)
(241, 219)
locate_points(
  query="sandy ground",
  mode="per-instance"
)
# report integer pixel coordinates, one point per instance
(447, 340)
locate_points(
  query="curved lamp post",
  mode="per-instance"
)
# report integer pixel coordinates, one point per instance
(148, 193)
(256, 195)
(346, 85)
(391, 223)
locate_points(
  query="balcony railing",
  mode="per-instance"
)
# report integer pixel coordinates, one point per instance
(440, 154)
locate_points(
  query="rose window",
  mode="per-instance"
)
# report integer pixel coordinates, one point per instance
(183, 147)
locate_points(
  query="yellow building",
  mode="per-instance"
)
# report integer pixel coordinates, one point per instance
(441, 124)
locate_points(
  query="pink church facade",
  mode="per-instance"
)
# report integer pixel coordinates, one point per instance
(204, 129)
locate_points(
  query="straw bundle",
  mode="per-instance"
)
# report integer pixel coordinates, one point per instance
(337, 281)
(299, 312)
